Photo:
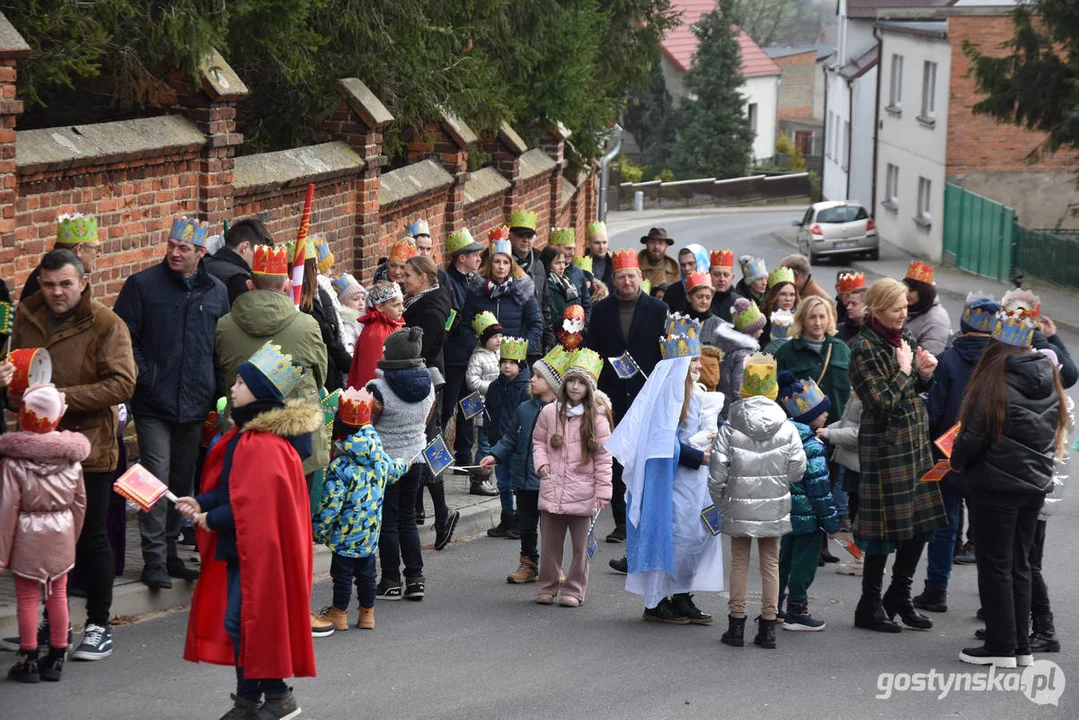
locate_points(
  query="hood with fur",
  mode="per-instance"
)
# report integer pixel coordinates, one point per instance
(521, 289)
(296, 418)
(62, 445)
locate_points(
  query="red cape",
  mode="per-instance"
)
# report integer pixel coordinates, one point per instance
(273, 537)
(376, 328)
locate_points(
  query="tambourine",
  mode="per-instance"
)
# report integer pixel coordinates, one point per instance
(32, 366)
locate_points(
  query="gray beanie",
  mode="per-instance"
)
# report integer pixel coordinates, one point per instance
(402, 350)
(547, 372)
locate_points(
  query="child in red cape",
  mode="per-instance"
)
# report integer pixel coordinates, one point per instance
(385, 314)
(251, 604)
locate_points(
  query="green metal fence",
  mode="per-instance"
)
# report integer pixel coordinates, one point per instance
(978, 233)
(1049, 255)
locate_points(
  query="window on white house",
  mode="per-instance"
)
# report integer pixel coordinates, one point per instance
(929, 89)
(892, 186)
(925, 188)
(846, 144)
(752, 111)
(895, 92)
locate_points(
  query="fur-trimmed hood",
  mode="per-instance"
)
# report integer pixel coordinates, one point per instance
(521, 289)
(298, 417)
(728, 339)
(62, 445)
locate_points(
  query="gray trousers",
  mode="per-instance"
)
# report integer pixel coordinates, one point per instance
(170, 451)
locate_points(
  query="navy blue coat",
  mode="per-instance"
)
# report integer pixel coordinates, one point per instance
(502, 400)
(172, 337)
(515, 447)
(954, 369)
(517, 310)
(460, 341)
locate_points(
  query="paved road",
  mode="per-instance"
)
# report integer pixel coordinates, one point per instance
(479, 648)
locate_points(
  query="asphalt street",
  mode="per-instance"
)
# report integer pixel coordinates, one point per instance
(477, 647)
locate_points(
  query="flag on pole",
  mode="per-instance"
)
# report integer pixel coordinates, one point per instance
(438, 455)
(472, 405)
(625, 366)
(592, 545)
(300, 253)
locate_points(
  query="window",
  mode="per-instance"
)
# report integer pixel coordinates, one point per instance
(924, 189)
(929, 90)
(753, 116)
(891, 199)
(895, 92)
(846, 144)
(842, 214)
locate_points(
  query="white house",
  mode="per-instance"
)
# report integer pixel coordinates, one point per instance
(912, 141)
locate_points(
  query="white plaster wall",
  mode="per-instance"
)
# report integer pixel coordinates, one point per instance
(861, 143)
(834, 182)
(765, 92)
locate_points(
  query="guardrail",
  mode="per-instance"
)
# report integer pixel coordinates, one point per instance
(710, 191)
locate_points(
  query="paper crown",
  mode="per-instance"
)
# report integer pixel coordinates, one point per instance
(523, 220)
(750, 316)
(980, 311)
(7, 317)
(1021, 300)
(354, 407)
(722, 259)
(41, 408)
(501, 247)
(759, 376)
(921, 272)
(502, 232)
(458, 240)
(753, 267)
(383, 292)
(1016, 326)
(402, 250)
(624, 260)
(483, 321)
(277, 367)
(587, 360)
(270, 260)
(323, 254)
(563, 236)
(584, 263)
(557, 361)
(344, 282)
(646, 286)
(802, 397)
(76, 228)
(514, 348)
(697, 280)
(420, 227)
(780, 275)
(681, 338)
(679, 324)
(849, 282)
(573, 318)
(596, 227)
(189, 230)
(781, 324)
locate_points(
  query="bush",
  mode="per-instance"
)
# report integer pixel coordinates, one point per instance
(784, 146)
(797, 161)
(631, 173)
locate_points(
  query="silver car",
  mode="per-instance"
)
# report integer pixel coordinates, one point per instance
(832, 229)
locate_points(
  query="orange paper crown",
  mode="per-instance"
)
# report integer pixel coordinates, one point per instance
(499, 233)
(270, 260)
(402, 250)
(921, 272)
(722, 259)
(354, 407)
(697, 280)
(624, 260)
(849, 282)
(30, 422)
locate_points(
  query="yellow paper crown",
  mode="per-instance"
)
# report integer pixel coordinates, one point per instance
(780, 275)
(759, 377)
(563, 236)
(596, 227)
(557, 361)
(483, 321)
(76, 228)
(526, 219)
(584, 263)
(514, 348)
(588, 360)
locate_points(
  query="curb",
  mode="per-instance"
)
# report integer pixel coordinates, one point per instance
(132, 600)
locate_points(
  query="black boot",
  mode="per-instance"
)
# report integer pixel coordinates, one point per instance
(503, 527)
(25, 669)
(932, 599)
(766, 633)
(1043, 636)
(683, 603)
(53, 664)
(869, 614)
(736, 630)
(826, 555)
(897, 600)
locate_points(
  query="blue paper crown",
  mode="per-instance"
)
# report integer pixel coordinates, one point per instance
(189, 230)
(344, 283)
(980, 312)
(679, 324)
(754, 268)
(277, 367)
(420, 227)
(1014, 327)
(806, 397)
(683, 337)
(502, 246)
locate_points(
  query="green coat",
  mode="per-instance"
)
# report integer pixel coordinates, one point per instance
(259, 316)
(893, 447)
(797, 356)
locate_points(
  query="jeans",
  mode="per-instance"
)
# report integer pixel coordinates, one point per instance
(343, 570)
(505, 487)
(483, 445)
(528, 522)
(1039, 591)
(942, 547)
(399, 539)
(170, 452)
(95, 567)
(249, 689)
(451, 395)
(1004, 528)
(618, 495)
(768, 552)
(799, 556)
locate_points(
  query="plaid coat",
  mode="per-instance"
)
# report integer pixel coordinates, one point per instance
(893, 446)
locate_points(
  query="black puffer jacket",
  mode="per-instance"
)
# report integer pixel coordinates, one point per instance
(339, 359)
(1021, 462)
(429, 313)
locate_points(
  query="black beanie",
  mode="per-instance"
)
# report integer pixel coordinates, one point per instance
(489, 332)
(401, 350)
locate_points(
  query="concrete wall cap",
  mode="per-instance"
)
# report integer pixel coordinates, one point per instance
(364, 103)
(535, 162)
(426, 176)
(568, 191)
(458, 129)
(12, 44)
(511, 139)
(483, 184)
(101, 142)
(219, 80)
(298, 166)
(558, 130)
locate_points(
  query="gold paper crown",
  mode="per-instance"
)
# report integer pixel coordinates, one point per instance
(270, 260)
(697, 280)
(483, 321)
(624, 260)
(807, 395)
(747, 317)
(584, 263)
(849, 282)
(402, 250)
(680, 324)
(277, 367)
(557, 360)
(676, 346)
(189, 230)
(563, 236)
(596, 227)
(354, 407)
(588, 360)
(780, 275)
(759, 376)
(921, 272)
(76, 228)
(514, 348)
(722, 259)
(526, 219)
(1016, 326)
(323, 254)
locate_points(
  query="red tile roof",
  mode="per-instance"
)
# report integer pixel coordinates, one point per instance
(680, 44)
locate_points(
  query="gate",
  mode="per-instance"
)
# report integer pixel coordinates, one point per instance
(978, 233)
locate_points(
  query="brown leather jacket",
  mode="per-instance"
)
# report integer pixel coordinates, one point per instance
(91, 363)
(663, 272)
(42, 502)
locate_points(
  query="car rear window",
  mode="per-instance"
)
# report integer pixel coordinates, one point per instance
(845, 213)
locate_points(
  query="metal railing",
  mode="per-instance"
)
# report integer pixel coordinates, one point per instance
(1051, 255)
(710, 191)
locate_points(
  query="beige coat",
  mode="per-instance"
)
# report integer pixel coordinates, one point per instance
(662, 272)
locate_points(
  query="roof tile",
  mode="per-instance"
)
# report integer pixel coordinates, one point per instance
(680, 44)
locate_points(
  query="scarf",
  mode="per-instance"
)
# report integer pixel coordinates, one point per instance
(567, 287)
(410, 300)
(497, 290)
(892, 337)
(572, 410)
(243, 415)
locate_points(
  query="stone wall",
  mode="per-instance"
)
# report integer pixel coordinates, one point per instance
(797, 85)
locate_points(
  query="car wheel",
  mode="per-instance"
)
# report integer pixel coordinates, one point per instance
(813, 257)
(874, 254)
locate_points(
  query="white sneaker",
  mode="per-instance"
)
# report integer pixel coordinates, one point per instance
(1024, 660)
(854, 567)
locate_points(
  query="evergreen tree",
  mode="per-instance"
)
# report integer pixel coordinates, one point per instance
(1036, 84)
(715, 138)
(652, 119)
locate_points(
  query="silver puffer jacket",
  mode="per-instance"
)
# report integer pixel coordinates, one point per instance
(755, 458)
(1060, 473)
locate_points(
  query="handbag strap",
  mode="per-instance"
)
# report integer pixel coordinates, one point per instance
(827, 359)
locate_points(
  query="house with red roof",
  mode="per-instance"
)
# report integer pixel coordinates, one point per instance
(761, 73)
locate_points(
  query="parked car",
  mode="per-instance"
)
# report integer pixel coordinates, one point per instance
(837, 228)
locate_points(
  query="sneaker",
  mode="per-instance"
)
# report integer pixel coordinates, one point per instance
(175, 568)
(545, 599)
(618, 535)
(526, 572)
(802, 623)
(96, 644)
(388, 590)
(333, 616)
(569, 601)
(320, 627)
(665, 613)
(965, 556)
(52, 665)
(156, 577)
(854, 567)
(242, 709)
(444, 531)
(619, 565)
(25, 669)
(278, 707)
(981, 656)
(414, 589)
(13, 644)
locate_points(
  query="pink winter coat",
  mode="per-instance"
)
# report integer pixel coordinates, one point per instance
(42, 502)
(571, 488)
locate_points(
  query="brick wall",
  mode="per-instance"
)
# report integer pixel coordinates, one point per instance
(796, 87)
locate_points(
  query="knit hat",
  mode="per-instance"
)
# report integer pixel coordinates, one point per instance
(552, 366)
(41, 408)
(752, 268)
(759, 377)
(347, 287)
(402, 350)
(802, 399)
(979, 313)
(586, 364)
(489, 332)
(711, 358)
(747, 316)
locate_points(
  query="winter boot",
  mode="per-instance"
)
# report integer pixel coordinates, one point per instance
(1043, 636)
(334, 616)
(502, 530)
(25, 669)
(683, 604)
(53, 664)
(869, 614)
(367, 618)
(526, 572)
(766, 633)
(932, 599)
(798, 619)
(736, 630)
(897, 600)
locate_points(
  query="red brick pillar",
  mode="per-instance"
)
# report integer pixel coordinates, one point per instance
(447, 142)
(12, 47)
(553, 142)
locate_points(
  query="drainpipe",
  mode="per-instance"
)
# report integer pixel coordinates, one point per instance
(605, 161)
(850, 135)
(876, 119)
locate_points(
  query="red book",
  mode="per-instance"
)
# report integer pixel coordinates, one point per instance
(141, 487)
(947, 440)
(937, 473)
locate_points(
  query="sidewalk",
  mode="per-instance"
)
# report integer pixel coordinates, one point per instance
(1058, 303)
(618, 220)
(131, 598)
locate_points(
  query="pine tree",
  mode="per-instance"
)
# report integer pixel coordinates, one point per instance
(653, 120)
(715, 139)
